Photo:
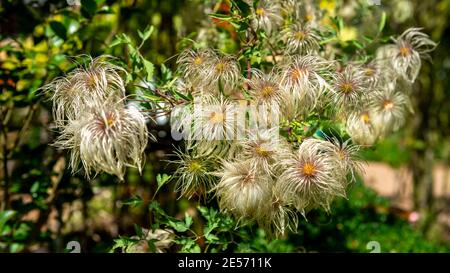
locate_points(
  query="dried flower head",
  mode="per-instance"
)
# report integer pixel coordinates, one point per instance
(221, 72)
(214, 119)
(390, 107)
(405, 56)
(265, 90)
(267, 16)
(84, 87)
(350, 86)
(306, 11)
(311, 177)
(301, 38)
(107, 138)
(279, 218)
(194, 173)
(361, 127)
(193, 63)
(263, 148)
(304, 77)
(242, 191)
(347, 154)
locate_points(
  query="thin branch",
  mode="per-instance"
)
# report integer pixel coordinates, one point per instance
(24, 128)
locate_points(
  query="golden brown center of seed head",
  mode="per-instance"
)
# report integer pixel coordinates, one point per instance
(365, 118)
(194, 166)
(388, 104)
(267, 90)
(308, 169)
(260, 11)
(217, 117)
(300, 35)
(220, 67)
(260, 151)
(109, 120)
(346, 88)
(298, 73)
(405, 51)
(198, 60)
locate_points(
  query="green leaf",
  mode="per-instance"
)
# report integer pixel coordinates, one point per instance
(149, 68)
(177, 225)
(188, 245)
(382, 22)
(88, 7)
(59, 29)
(121, 39)
(367, 38)
(242, 6)
(340, 23)
(133, 201)
(123, 242)
(184, 97)
(154, 206)
(188, 220)
(16, 247)
(138, 231)
(4, 217)
(223, 17)
(211, 238)
(146, 34)
(162, 179)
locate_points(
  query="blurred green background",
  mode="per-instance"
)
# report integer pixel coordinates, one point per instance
(43, 206)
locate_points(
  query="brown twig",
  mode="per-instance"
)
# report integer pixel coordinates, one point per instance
(24, 128)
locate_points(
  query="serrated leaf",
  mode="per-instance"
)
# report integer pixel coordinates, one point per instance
(123, 242)
(211, 238)
(162, 179)
(177, 225)
(146, 34)
(149, 69)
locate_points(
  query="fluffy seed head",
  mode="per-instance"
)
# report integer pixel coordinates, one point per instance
(267, 16)
(265, 90)
(221, 70)
(361, 127)
(390, 107)
(192, 64)
(311, 176)
(193, 173)
(301, 38)
(263, 148)
(242, 191)
(349, 87)
(406, 54)
(107, 138)
(84, 87)
(304, 77)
